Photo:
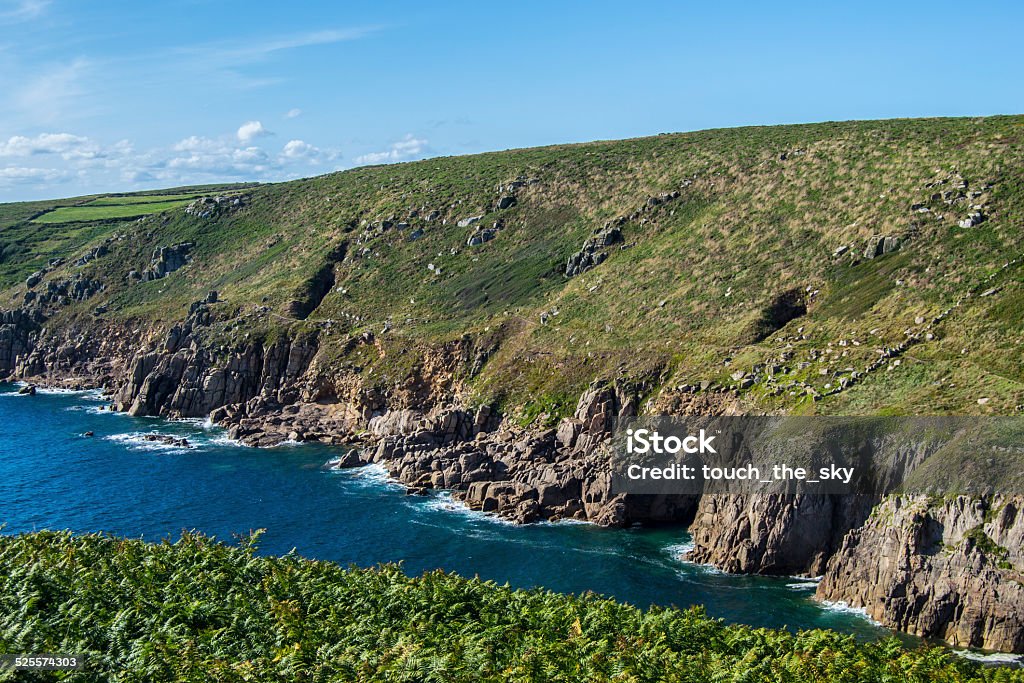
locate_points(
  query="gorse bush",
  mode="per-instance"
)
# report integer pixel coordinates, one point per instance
(199, 610)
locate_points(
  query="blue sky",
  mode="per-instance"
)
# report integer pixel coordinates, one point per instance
(119, 95)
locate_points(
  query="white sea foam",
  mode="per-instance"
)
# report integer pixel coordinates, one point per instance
(373, 474)
(94, 410)
(446, 503)
(566, 521)
(137, 442)
(225, 440)
(804, 582)
(204, 423)
(846, 608)
(990, 657)
(96, 394)
(679, 550)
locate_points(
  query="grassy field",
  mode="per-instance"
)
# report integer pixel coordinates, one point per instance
(761, 212)
(196, 610)
(115, 207)
(125, 200)
(100, 210)
(33, 232)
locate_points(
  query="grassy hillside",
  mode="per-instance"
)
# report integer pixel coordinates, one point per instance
(196, 610)
(696, 291)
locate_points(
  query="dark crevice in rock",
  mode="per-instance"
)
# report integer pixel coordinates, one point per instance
(316, 288)
(783, 309)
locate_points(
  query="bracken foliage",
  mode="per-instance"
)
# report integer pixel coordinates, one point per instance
(199, 610)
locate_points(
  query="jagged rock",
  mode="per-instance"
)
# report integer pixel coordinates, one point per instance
(466, 222)
(166, 260)
(478, 238)
(592, 253)
(209, 207)
(882, 244)
(92, 255)
(505, 202)
(973, 219)
(942, 569)
(28, 390)
(773, 534)
(34, 279)
(352, 458)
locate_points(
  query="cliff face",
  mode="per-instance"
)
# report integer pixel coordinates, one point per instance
(948, 569)
(774, 534)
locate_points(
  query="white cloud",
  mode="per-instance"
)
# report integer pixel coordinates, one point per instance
(250, 130)
(66, 145)
(405, 149)
(213, 157)
(19, 175)
(194, 143)
(35, 163)
(299, 149)
(293, 113)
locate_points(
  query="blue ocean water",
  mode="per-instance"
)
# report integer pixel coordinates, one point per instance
(53, 477)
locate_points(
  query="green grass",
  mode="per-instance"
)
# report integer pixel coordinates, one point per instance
(672, 308)
(121, 200)
(196, 610)
(96, 211)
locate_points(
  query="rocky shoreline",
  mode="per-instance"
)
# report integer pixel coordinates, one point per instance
(947, 569)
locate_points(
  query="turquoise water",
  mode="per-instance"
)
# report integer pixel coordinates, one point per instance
(52, 477)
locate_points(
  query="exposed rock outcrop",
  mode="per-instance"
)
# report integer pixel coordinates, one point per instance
(19, 329)
(774, 534)
(949, 569)
(185, 381)
(166, 260)
(594, 250)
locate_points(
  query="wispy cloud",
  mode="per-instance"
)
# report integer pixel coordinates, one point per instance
(253, 50)
(13, 11)
(409, 147)
(293, 113)
(62, 91)
(49, 92)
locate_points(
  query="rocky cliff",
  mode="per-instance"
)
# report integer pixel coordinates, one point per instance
(939, 568)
